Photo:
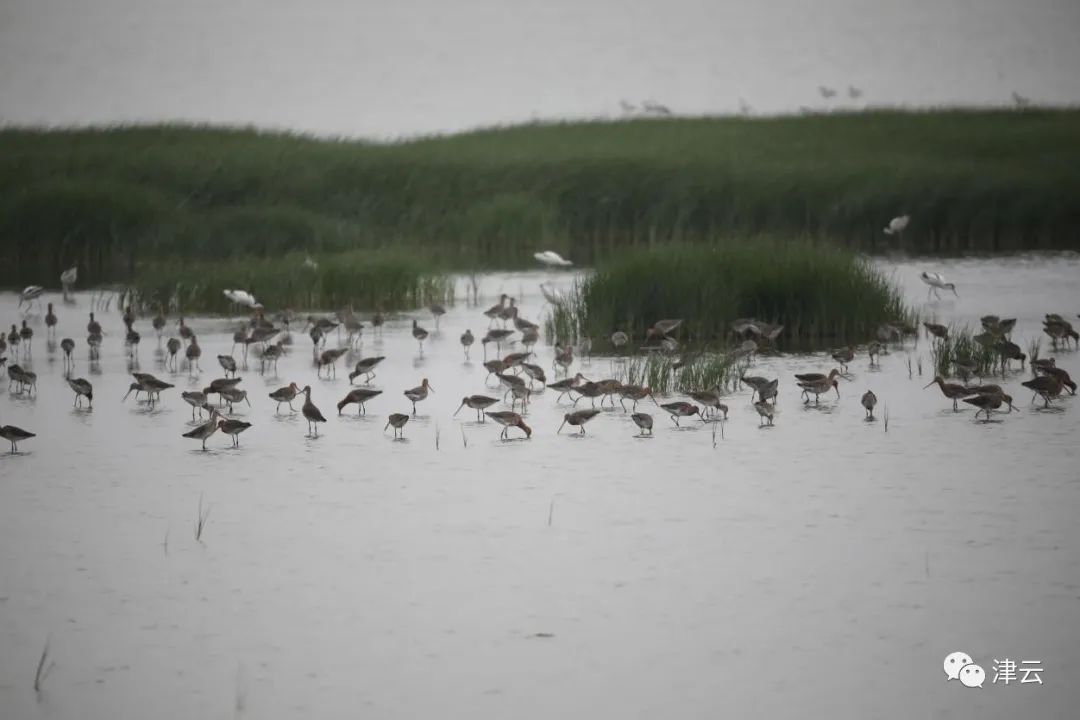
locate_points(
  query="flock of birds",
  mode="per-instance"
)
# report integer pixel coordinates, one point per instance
(516, 375)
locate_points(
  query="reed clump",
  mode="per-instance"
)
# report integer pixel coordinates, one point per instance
(362, 280)
(701, 371)
(960, 355)
(109, 199)
(822, 295)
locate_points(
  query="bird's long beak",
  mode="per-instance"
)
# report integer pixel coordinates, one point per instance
(387, 425)
(458, 409)
(560, 427)
(126, 395)
(837, 389)
(929, 384)
(955, 293)
(247, 401)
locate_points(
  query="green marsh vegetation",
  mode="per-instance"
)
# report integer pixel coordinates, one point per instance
(384, 280)
(112, 200)
(822, 295)
(961, 346)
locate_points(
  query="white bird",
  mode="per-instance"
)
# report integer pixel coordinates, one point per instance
(552, 259)
(897, 224)
(241, 297)
(30, 294)
(68, 278)
(936, 281)
(552, 296)
(310, 264)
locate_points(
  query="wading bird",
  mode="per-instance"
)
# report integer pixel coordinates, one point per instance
(552, 259)
(358, 396)
(397, 421)
(869, 401)
(578, 419)
(509, 420)
(936, 281)
(285, 395)
(418, 393)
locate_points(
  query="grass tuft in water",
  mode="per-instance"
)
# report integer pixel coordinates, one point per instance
(822, 295)
(960, 346)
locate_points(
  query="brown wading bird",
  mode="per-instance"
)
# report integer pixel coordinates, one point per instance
(987, 402)
(509, 420)
(397, 421)
(765, 411)
(311, 413)
(419, 393)
(358, 396)
(233, 428)
(1046, 386)
(939, 331)
(953, 391)
(682, 409)
(644, 422)
(15, 435)
(869, 401)
(844, 356)
(578, 419)
(817, 388)
(479, 403)
(285, 395)
(366, 367)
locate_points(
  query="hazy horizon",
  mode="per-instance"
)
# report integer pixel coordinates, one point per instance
(332, 68)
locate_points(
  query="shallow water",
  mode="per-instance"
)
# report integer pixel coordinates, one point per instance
(819, 568)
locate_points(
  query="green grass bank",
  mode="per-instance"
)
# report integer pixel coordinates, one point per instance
(110, 199)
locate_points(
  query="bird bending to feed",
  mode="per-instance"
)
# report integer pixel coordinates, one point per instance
(552, 259)
(478, 403)
(285, 395)
(328, 359)
(233, 428)
(765, 412)
(869, 401)
(939, 331)
(82, 389)
(311, 413)
(953, 391)
(68, 346)
(509, 420)
(1061, 374)
(578, 418)
(644, 422)
(711, 400)
(1047, 387)
(228, 364)
(195, 399)
(566, 386)
(682, 409)
(397, 421)
(358, 396)
(204, 431)
(989, 401)
(15, 435)
(897, 225)
(619, 339)
(366, 367)
(936, 281)
(419, 393)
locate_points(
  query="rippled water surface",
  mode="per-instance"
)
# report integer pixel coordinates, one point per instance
(819, 568)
